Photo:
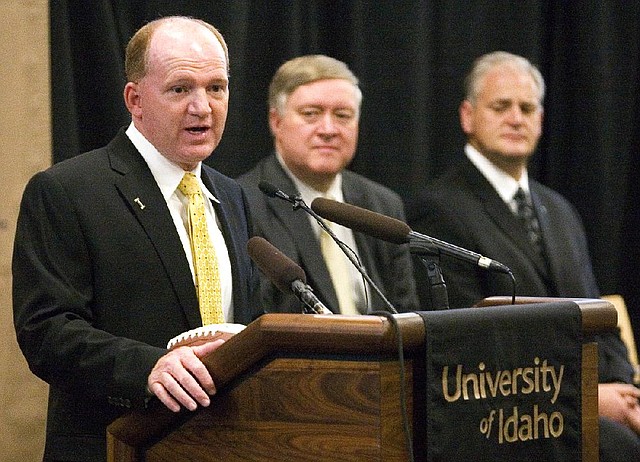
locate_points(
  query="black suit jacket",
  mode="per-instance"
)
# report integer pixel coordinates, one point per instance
(101, 283)
(463, 208)
(388, 265)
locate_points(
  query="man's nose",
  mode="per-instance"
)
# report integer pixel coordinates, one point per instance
(199, 104)
(515, 115)
(327, 124)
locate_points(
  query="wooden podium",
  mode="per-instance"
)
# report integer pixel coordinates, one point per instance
(306, 387)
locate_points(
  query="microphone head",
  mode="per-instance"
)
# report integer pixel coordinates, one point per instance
(267, 188)
(279, 268)
(362, 220)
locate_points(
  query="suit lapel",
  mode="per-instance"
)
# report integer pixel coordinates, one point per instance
(299, 228)
(143, 197)
(501, 215)
(229, 225)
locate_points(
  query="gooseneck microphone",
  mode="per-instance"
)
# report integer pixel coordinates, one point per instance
(396, 231)
(285, 274)
(271, 191)
(298, 203)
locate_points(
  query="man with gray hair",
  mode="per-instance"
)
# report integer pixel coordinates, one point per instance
(488, 204)
(314, 109)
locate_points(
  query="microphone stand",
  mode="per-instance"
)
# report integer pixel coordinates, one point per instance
(428, 255)
(299, 203)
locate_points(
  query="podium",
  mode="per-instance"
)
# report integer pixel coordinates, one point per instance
(315, 387)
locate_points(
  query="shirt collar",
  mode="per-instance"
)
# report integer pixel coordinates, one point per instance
(308, 193)
(505, 185)
(167, 174)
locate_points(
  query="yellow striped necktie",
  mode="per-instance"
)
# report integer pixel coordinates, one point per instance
(205, 263)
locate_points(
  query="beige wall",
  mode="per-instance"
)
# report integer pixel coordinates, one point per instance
(25, 140)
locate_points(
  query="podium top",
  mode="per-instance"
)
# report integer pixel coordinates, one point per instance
(597, 315)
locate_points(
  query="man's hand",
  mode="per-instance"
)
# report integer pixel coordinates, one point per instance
(619, 402)
(180, 377)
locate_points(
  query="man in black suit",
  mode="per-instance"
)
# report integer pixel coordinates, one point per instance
(102, 267)
(541, 239)
(314, 108)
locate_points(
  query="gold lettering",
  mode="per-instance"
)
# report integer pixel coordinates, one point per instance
(537, 419)
(556, 424)
(505, 382)
(557, 382)
(524, 427)
(524, 430)
(483, 384)
(445, 384)
(545, 370)
(473, 379)
(510, 429)
(514, 383)
(482, 375)
(493, 385)
(526, 378)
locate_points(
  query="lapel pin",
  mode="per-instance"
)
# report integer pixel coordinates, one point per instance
(139, 202)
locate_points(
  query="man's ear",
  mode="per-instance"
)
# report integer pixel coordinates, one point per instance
(466, 116)
(132, 99)
(541, 121)
(274, 120)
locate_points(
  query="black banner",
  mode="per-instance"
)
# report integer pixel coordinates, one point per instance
(504, 383)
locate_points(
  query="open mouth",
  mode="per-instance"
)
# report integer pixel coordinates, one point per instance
(197, 130)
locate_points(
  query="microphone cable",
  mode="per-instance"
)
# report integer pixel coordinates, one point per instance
(348, 251)
(406, 428)
(299, 203)
(513, 287)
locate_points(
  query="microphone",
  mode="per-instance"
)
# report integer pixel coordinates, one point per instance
(271, 191)
(396, 231)
(298, 203)
(285, 274)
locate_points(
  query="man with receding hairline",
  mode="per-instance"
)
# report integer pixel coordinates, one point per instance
(104, 271)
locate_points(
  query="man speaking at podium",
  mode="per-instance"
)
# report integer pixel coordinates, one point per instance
(314, 108)
(109, 244)
(489, 205)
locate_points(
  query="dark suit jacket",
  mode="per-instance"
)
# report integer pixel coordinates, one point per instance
(463, 208)
(101, 283)
(388, 265)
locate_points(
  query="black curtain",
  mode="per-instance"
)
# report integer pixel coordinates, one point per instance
(411, 57)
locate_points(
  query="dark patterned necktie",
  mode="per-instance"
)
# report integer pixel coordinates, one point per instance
(527, 216)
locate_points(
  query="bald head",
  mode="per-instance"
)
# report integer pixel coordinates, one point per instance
(136, 54)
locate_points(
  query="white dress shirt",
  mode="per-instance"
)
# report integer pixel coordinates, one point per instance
(168, 176)
(505, 185)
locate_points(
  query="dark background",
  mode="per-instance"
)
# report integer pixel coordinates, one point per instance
(411, 57)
